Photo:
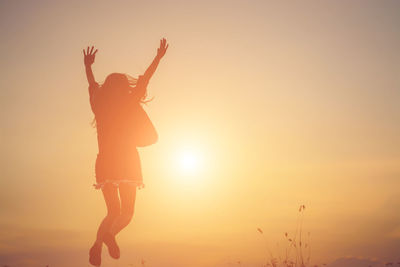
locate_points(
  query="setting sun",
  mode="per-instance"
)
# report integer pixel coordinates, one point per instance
(189, 161)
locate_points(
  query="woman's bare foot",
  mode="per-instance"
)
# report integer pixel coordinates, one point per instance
(112, 245)
(95, 254)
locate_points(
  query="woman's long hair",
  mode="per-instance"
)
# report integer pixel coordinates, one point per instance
(115, 88)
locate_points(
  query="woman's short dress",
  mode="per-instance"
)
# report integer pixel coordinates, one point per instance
(118, 159)
(118, 168)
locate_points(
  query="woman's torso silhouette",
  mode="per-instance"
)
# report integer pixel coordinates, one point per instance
(118, 159)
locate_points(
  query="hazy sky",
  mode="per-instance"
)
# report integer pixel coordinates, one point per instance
(282, 103)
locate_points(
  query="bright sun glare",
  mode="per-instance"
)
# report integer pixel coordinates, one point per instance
(189, 161)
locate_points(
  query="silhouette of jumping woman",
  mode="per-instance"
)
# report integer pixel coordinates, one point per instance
(122, 126)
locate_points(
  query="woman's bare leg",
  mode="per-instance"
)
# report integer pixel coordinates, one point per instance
(111, 198)
(110, 193)
(127, 194)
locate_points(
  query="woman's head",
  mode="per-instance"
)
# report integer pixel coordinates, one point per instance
(114, 93)
(119, 84)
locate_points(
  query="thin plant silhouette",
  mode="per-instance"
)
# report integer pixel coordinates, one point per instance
(297, 252)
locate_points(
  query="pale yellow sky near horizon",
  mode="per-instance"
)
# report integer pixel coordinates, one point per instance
(289, 103)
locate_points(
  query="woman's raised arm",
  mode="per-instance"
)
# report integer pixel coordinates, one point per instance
(153, 66)
(143, 80)
(88, 59)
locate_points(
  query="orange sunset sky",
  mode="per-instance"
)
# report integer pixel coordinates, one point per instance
(260, 106)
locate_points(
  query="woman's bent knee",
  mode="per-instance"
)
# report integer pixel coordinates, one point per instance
(127, 216)
(113, 215)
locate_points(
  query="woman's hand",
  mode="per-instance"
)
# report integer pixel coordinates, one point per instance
(162, 49)
(89, 56)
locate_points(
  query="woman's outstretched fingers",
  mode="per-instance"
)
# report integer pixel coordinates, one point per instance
(163, 47)
(89, 55)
